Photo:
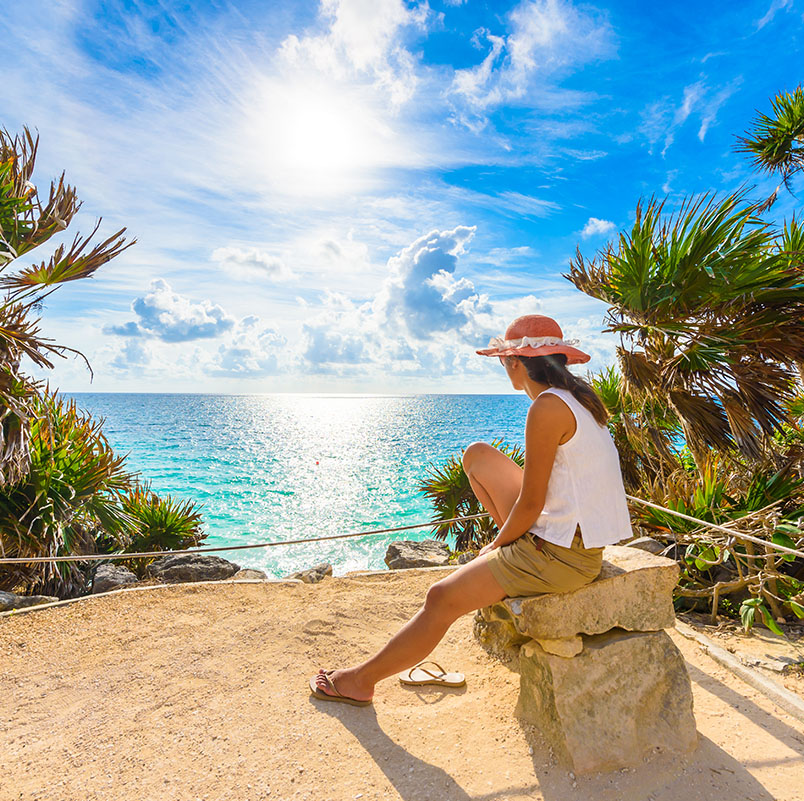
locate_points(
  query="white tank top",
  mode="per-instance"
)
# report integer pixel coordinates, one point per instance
(585, 486)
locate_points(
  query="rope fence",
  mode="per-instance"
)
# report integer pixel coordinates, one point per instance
(429, 524)
(716, 527)
(85, 557)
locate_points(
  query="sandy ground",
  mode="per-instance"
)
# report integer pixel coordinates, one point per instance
(780, 659)
(200, 692)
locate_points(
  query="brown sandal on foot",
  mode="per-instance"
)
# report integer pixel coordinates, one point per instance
(337, 696)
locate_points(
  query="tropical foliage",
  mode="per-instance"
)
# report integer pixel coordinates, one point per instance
(28, 221)
(63, 491)
(162, 523)
(775, 142)
(710, 310)
(69, 494)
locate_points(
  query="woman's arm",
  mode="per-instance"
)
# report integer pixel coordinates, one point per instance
(547, 421)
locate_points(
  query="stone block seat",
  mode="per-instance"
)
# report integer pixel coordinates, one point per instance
(599, 676)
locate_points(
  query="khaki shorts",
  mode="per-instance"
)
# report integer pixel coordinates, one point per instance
(523, 569)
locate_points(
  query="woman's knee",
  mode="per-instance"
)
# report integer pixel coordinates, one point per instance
(473, 453)
(439, 597)
(471, 586)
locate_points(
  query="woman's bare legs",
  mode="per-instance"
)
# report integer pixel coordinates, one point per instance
(496, 480)
(470, 587)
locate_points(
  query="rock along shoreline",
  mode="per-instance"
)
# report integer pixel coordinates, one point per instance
(200, 567)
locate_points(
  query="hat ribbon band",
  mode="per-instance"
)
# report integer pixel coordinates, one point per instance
(499, 343)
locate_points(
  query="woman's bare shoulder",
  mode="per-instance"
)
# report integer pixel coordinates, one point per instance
(548, 409)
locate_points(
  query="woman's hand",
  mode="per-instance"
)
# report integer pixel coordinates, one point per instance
(486, 548)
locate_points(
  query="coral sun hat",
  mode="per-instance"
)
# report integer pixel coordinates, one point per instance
(534, 335)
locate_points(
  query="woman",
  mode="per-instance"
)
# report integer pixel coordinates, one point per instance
(553, 517)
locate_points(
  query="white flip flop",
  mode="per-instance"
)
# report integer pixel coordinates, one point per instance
(418, 675)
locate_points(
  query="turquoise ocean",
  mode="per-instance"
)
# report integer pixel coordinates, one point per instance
(267, 468)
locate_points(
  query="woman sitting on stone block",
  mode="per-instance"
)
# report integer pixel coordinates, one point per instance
(554, 516)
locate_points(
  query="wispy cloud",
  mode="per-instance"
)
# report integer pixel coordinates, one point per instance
(661, 119)
(773, 9)
(713, 104)
(544, 38)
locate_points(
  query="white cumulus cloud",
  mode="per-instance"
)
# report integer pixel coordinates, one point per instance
(134, 354)
(164, 314)
(421, 306)
(596, 227)
(422, 295)
(252, 351)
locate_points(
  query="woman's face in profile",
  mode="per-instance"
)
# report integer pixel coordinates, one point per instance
(515, 375)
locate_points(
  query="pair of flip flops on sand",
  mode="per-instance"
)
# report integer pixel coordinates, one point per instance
(415, 677)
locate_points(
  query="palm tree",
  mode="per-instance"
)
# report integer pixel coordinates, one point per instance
(709, 305)
(775, 142)
(63, 490)
(644, 430)
(27, 220)
(448, 488)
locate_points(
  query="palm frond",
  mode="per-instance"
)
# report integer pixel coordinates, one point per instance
(709, 305)
(775, 142)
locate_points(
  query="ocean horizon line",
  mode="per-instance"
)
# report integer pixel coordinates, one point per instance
(303, 394)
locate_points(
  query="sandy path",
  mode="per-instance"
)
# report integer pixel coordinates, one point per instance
(200, 692)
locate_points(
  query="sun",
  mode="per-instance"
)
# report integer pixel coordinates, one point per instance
(313, 138)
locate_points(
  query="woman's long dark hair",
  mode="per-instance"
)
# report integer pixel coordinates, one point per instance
(552, 370)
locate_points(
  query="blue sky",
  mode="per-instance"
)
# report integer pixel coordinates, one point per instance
(353, 195)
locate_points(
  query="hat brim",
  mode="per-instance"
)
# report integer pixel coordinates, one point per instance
(574, 356)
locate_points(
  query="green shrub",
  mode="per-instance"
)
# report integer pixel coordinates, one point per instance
(160, 524)
(70, 493)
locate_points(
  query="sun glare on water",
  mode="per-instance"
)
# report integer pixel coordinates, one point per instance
(309, 139)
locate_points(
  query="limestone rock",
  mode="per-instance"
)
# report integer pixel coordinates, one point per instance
(110, 577)
(608, 707)
(465, 557)
(250, 573)
(567, 648)
(647, 544)
(495, 630)
(10, 600)
(634, 592)
(314, 574)
(192, 567)
(412, 553)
